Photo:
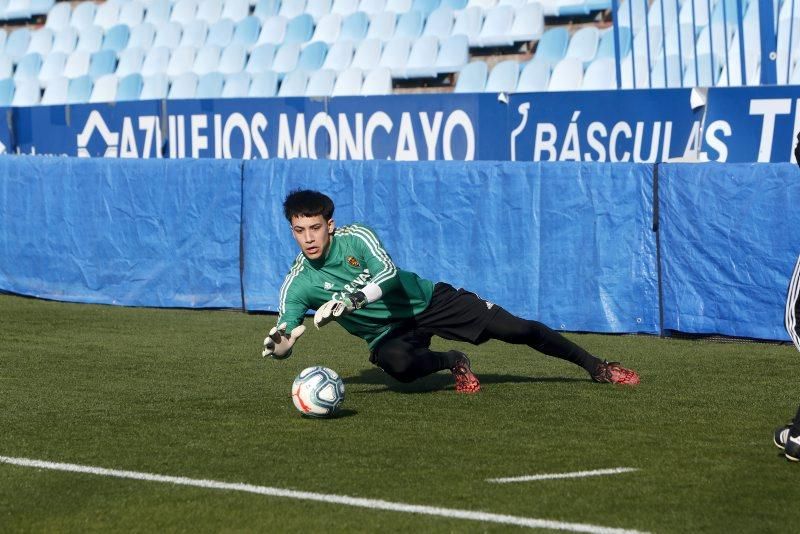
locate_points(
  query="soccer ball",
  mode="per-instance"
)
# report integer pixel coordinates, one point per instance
(318, 391)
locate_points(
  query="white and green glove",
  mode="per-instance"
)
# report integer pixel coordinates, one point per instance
(333, 309)
(278, 344)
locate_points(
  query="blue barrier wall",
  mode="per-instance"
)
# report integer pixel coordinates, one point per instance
(149, 233)
(570, 244)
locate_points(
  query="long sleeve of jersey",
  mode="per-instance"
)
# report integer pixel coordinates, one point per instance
(381, 267)
(293, 305)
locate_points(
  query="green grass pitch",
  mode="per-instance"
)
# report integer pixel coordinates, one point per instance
(186, 393)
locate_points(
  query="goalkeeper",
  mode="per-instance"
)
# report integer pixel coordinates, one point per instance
(346, 276)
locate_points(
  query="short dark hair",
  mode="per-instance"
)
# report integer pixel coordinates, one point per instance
(307, 203)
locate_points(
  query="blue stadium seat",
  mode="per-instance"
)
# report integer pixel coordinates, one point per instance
(7, 67)
(182, 87)
(221, 33)
(28, 67)
(607, 47)
(246, 31)
(209, 11)
(439, 23)
(705, 74)
(328, 29)
(636, 66)
(41, 41)
(583, 44)
(180, 62)
(79, 90)
(130, 87)
(496, 28)
(26, 92)
(318, 8)
(299, 29)
(382, 26)
(265, 9)
(312, 57)
(339, 56)
(425, 7)
(503, 78)
(264, 85)
(453, 54)
(787, 53)
(236, 85)
(236, 10)
(348, 83)
(90, 39)
(290, 9)
(158, 12)
(52, 68)
(367, 55)
(472, 78)
(670, 13)
(233, 59)
(41, 7)
(422, 58)
(469, 22)
(261, 59)
(321, 83)
(528, 24)
(83, 16)
(65, 40)
(377, 82)
(395, 56)
(286, 58)
(398, 6)
(194, 34)
(17, 43)
(131, 13)
(409, 25)
(184, 11)
(104, 89)
(632, 13)
(534, 77)
(58, 17)
(572, 7)
(207, 60)
(567, 75)
(101, 63)
(273, 30)
(116, 38)
(672, 65)
(6, 92)
(600, 75)
(355, 27)
(155, 87)
(552, 45)
(56, 92)
(294, 84)
(210, 85)
(77, 64)
(372, 7)
(142, 36)
(107, 15)
(155, 62)
(455, 5)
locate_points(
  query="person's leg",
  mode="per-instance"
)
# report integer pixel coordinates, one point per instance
(792, 310)
(407, 357)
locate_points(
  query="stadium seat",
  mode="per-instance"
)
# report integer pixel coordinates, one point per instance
(632, 14)
(583, 44)
(182, 87)
(528, 24)
(367, 55)
(246, 31)
(787, 54)
(116, 38)
(210, 85)
(180, 62)
(567, 75)
(398, 7)
(344, 7)
(65, 40)
(496, 28)
(395, 56)
(130, 87)
(299, 29)
(339, 56)
(26, 92)
(425, 7)
(318, 8)
(265, 9)
(286, 58)
(236, 85)
(377, 82)
(600, 75)
(130, 62)
(513, 3)
(484, 5)
(107, 15)
(472, 78)
(290, 9)
(209, 11)
(194, 34)
(52, 68)
(439, 23)
(320, 83)
(573, 7)
(6, 92)
(41, 41)
(679, 41)
(354, 27)
(40, 7)
(455, 5)
(77, 65)
(206, 60)
(233, 59)
(552, 46)
(7, 67)
(703, 73)
(236, 10)
(56, 92)
(169, 35)
(142, 36)
(79, 90)
(382, 26)
(155, 87)
(372, 7)
(328, 29)
(312, 57)
(260, 59)
(184, 11)
(637, 65)
(503, 78)
(221, 33)
(469, 22)
(294, 84)
(83, 16)
(58, 17)
(348, 83)
(534, 77)
(17, 43)
(131, 13)
(104, 89)
(672, 65)
(90, 39)
(155, 62)
(158, 12)
(422, 58)
(28, 67)
(607, 48)
(453, 54)
(264, 85)
(273, 31)
(670, 13)
(101, 63)
(409, 25)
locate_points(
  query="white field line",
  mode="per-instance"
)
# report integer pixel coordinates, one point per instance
(373, 504)
(553, 476)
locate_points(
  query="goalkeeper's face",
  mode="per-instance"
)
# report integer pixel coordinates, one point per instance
(313, 234)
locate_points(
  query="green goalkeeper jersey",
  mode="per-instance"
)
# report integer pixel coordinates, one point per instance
(356, 258)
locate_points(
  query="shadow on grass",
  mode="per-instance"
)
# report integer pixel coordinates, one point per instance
(443, 381)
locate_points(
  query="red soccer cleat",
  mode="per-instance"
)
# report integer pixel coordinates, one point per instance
(614, 373)
(466, 381)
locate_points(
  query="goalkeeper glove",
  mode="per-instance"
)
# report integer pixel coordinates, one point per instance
(333, 309)
(278, 344)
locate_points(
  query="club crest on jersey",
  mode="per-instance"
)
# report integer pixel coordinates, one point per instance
(353, 262)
